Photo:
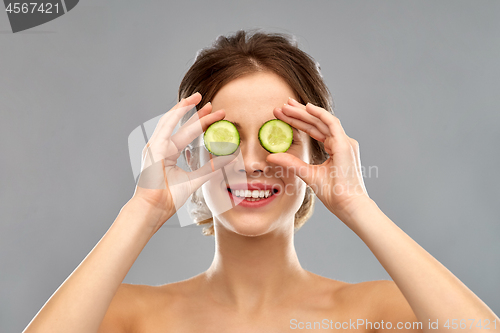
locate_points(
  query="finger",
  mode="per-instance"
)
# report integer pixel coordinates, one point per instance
(206, 109)
(329, 119)
(308, 128)
(293, 165)
(203, 174)
(302, 114)
(355, 146)
(293, 102)
(193, 99)
(186, 134)
(169, 120)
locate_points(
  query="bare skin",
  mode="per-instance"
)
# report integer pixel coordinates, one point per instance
(255, 282)
(191, 306)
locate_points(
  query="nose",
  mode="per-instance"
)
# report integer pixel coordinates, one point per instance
(254, 158)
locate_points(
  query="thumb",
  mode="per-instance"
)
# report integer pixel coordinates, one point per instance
(293, 166)
(203, 174)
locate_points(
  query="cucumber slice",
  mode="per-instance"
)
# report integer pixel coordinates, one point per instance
(276, 136)
(221, 138)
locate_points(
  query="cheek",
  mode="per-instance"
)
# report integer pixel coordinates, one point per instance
(217, 200)
(204, 155)
(306, 151)
(294, 187)
(302, 150)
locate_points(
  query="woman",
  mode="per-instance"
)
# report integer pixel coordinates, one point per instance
(255, 282)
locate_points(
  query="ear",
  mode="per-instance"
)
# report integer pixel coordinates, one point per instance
(188, 155)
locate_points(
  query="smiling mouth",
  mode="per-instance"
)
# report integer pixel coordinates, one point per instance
(253, 195)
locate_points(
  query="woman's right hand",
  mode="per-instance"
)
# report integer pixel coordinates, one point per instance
(162, 185)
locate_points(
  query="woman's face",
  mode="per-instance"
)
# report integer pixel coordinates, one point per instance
(249, 101)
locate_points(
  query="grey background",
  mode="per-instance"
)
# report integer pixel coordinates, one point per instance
(416, 83)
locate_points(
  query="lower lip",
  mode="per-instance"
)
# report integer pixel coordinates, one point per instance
(252, 204)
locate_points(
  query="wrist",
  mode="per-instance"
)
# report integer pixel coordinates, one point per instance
(145, 215)
(355, 209)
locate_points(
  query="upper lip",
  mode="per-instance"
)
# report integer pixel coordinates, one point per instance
(252, 186)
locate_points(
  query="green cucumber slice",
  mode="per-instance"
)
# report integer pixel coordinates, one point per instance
(221, 138)
(275, 136)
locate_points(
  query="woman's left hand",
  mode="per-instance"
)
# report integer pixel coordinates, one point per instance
(338, 182)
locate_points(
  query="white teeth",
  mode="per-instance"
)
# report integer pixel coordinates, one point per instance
(255, 194)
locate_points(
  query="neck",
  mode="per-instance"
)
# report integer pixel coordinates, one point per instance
(250, 272)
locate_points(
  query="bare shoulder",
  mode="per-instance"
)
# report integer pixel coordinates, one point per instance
(124, 309)
(355, 293)
(374, 292)
(381, 300)
(386, 296)
(379, 294)
(136, 306)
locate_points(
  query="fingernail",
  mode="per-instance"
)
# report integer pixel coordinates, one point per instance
(292, 99)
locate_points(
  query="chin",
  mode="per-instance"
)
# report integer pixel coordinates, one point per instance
(245, 227)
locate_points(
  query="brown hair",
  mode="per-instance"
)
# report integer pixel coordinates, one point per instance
(247, 52)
